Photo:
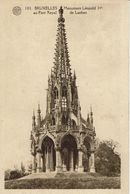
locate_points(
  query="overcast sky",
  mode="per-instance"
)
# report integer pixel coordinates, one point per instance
(97, 48)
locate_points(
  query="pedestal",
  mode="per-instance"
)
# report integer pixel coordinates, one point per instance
(51, 160)
(71, 161)
(33, 164)
(80, 157)
(38, 162)
(47, 161)
(58, 161)
(92, 164)
(64, 168)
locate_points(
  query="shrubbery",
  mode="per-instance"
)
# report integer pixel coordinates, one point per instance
(107, 161)
(15, 173)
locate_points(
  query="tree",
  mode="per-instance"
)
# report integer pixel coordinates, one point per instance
(7, 174)
(107, 160)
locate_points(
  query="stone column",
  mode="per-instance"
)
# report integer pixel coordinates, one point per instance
(92, 163)
(33, 163)
(71, 161)
(64, 167)
(58, 160)
(80, 157)
(47, 161)
(51, 159)
(43, 162)
(38, 162)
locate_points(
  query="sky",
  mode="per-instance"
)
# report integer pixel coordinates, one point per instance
(97, 48)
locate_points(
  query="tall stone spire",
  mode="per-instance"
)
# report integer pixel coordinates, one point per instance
(61, 69)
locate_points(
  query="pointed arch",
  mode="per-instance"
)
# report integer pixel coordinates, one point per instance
(67, 134)
(48, 154)
(87, 141)
(69, 152)
(43, 137)
(64, 91)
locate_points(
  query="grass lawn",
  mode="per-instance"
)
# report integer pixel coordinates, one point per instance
(89, 182)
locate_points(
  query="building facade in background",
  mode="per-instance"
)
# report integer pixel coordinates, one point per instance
(62, 141)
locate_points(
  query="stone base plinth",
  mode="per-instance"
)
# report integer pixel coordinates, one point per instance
(58, 169)
(92, 169)
(64, 168)
(48, 170)
(80, 169)
(71, 170)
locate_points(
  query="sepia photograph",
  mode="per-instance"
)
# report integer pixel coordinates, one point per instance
(64, 102)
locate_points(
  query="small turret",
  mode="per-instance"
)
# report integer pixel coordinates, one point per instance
(33, 121)
(88, 119)
(91, 115)
(74, 75)
(39, 116)
(79, 114)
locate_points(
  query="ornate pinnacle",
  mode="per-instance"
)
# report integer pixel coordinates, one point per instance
(61, 11)
(88, 120)
(91, 114)
(33, 120)
(39, 116)
(33, 117)
(39, 110)
(74, 75)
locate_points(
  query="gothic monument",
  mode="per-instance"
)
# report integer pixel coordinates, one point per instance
(62, 141)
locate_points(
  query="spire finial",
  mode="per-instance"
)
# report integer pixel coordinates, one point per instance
(39, 110)
(74, 75)
(91, 112)
(33, 120)
(39, 115)
(61, 11)
(33, 117)
(88, 120)
(61, 19)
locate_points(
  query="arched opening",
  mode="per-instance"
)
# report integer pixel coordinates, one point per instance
(64, 91)
(87, 153)
(64, 120)
(69, 153)
(55, 93)
(48, 155)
